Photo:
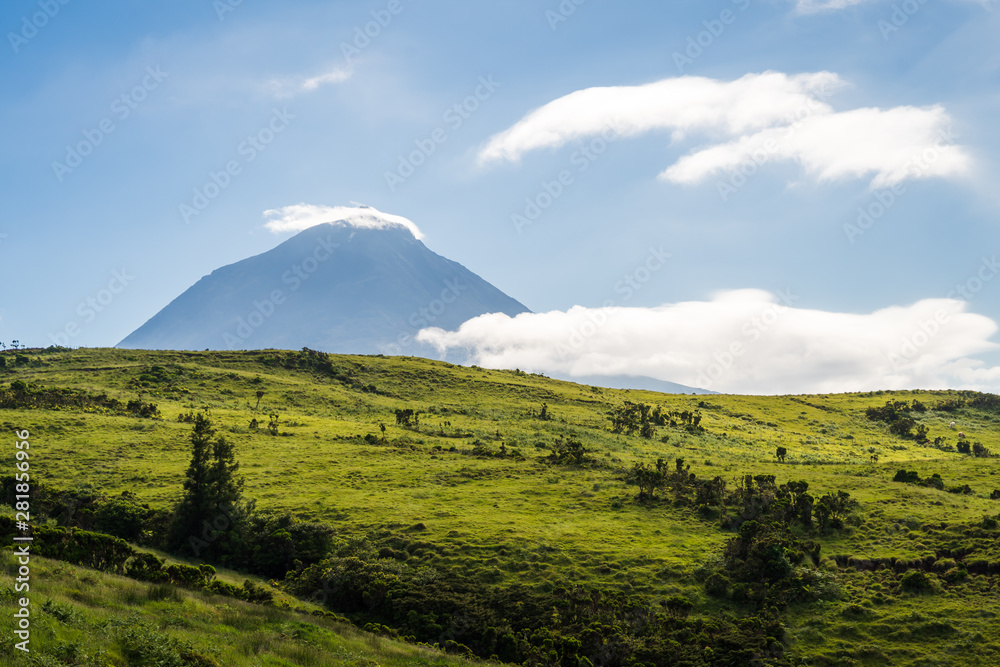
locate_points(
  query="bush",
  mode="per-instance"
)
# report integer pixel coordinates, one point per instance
(955, 575)
(255, 593)
(915, 581)
(143, 645)
(678, 606)
(223, 588)
(122, 517)
(81, 547)
(185, 575)
(717, 585)
(61, 612)
(146, 567)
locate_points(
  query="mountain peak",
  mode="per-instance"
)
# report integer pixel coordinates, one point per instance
(299, 217)
(362, 283)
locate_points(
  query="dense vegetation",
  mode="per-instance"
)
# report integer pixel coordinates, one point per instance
(505, 515)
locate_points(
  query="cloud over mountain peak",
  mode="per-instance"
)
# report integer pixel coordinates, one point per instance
(297, 217)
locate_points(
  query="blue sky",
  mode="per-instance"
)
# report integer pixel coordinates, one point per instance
(196, 117)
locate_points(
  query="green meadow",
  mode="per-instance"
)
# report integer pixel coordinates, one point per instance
(471, 487)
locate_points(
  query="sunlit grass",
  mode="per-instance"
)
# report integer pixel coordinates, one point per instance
(503, 520)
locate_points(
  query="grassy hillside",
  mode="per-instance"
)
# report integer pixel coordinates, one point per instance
(85, 617)
(441, 491)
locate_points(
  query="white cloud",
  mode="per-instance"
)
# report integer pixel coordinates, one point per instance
(303, 216)
(685, 103)
(894, 145)
(742, 341)
(814, 6)
(293, 85)
(786, 116)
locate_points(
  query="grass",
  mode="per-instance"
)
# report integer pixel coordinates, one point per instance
(528, 521)
(84, 617)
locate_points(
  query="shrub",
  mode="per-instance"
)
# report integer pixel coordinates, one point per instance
(717, 585)
(955, 575)
(185, 575)
(568, 451)
(915, 581)
(255, 593)
(223, 588)
(143, 645)
(122, 517)
(146, 567)
(678, 606)
(61, 612)
(81, 547)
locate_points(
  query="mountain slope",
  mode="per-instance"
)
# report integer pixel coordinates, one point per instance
(334, 287)
(475, 492)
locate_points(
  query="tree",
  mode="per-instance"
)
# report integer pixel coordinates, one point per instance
(781, 453)
(831, 509)
(903, 427)
(631, 418)
(567, 451)
(212, 492)
(649, 479)
(407, 418)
